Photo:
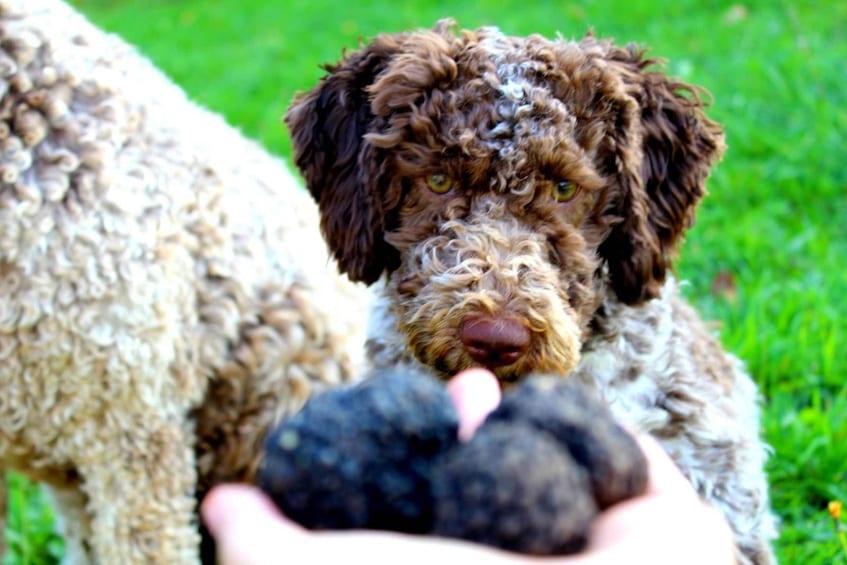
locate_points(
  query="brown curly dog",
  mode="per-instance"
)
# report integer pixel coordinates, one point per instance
(516, 203)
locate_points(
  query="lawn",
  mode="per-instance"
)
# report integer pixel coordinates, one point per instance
(767, 258)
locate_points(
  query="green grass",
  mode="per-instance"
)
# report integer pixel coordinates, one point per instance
(775, 223)
(30, 531)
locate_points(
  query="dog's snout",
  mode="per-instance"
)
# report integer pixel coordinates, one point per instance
(493, 341)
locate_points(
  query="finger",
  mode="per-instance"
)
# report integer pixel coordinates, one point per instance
(665, 477)
(475, 392)
(245, 524)
(678, 526)
(248, 530)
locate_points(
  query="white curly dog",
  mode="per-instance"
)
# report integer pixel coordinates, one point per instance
(165, 295)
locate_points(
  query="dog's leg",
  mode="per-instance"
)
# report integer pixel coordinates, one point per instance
(140, 487)
(73, 523)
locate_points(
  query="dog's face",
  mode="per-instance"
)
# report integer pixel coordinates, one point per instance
(503, 185)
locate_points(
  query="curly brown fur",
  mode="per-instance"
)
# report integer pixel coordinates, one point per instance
(166, 296)
(505, 120)
(519, 201)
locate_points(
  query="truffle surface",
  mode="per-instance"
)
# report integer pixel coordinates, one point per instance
(514, 488)
(360, 456)
(384, 454)
(581, 423)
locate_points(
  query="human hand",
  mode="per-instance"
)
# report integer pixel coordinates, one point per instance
(669, 521)
(669, 524)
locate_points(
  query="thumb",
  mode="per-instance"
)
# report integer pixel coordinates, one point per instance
(245, 524)
(475, 393)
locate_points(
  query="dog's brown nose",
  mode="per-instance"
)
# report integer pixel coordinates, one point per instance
(494, 342)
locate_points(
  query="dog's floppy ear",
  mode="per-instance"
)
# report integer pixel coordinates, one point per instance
(677, 146)
(328, 125)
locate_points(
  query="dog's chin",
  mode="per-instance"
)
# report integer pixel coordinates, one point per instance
(506, 375)
(510, 375)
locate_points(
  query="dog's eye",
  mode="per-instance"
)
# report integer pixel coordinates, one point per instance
(439, 184)
(565, 190)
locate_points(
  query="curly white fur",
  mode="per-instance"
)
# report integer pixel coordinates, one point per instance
(164, 294)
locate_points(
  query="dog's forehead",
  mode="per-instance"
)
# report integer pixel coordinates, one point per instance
(530, 106)
(521, 79)
(523, 64)
(514, 58)
(485, 66)
(504, 107)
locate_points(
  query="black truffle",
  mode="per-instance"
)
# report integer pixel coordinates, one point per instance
(360, 457)
(585, 427)
(384, 454)
(514, 488)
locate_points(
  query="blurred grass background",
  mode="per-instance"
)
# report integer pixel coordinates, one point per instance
(767, 258)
